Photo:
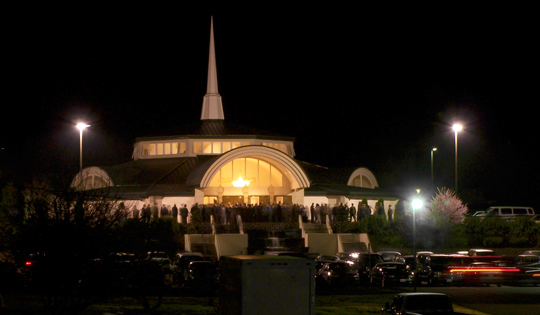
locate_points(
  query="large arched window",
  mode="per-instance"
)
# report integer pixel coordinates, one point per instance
(362, 181)
(91, 178)
(362, 177)
(253, 172)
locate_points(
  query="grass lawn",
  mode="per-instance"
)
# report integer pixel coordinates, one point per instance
(363, 301)
(324, 305)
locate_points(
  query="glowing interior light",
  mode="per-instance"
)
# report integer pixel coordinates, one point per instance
(240, 182)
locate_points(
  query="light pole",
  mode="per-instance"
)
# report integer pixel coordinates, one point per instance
(457, 128)
(432, 150)
(416, 204)
(81, 127)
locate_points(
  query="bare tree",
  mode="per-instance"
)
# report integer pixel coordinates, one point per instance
(71, 235)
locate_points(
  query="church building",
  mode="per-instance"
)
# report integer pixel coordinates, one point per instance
(224, 163)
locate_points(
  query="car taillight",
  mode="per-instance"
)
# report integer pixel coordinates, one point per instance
(28, 263)
(485, 270)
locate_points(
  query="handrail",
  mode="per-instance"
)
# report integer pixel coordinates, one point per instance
(240, 224)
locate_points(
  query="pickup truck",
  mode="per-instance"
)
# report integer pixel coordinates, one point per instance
(419, 303)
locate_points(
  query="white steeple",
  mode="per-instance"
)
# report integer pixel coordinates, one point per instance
(212, 106)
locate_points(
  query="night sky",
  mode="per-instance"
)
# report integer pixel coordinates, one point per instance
(366, 85)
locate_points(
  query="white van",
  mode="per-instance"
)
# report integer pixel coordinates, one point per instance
(508, 212)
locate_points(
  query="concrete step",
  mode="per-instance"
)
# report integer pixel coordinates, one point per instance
(315, 228)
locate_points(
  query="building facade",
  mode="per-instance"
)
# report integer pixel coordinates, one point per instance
(222, 163)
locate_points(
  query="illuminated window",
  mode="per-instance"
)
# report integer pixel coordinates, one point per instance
(216, 180)
(264, 174)
(239, 168)
(145, 150)
(227, 175)
(209, 200)
(197, 147)
(366, 183)
(152, 149)
(245, 143)
(216, 147)
(276, 178)
(235, 145)
(166, 148)
(252, 171)
(182, 147)
(207, 147)
(94, 182)
(174, 148)
(258, 173)
(226, 146)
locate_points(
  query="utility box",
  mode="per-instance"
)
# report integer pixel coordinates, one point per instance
(270, 284)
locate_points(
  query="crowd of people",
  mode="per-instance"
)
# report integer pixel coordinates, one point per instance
(275, 212)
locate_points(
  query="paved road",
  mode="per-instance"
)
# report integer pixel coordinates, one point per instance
(494, 300)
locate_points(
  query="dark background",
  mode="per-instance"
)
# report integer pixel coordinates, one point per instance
(357, 84)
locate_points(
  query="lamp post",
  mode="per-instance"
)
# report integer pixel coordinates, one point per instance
(416, 204)
(432, 151)
(457, 128)
(81, 127)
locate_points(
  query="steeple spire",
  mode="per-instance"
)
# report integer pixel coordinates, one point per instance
(212, 105)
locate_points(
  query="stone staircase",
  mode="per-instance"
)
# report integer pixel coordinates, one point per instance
(315, 228)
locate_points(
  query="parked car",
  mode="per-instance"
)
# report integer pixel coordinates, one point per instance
(201, 275)
(389, 255)
(532, 252)
(319, 264)
(161, 258)
(339, 273)
(389, 273)
(526, 259)
(508, 212)
(328, 257)
(436, 269)
(481, 252)
(181, 262)
(527, 275)
(365, 262)
(419, 303)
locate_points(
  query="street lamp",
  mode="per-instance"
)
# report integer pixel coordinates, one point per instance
(81, 127)
(432, 150)
(457, 128)
(416, 204)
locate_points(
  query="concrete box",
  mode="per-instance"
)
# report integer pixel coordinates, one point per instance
(266, 285)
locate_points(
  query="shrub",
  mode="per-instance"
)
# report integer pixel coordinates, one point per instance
(493, 241)
(449, 205)
(520, 241)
